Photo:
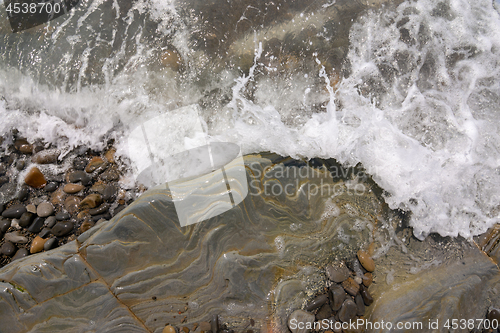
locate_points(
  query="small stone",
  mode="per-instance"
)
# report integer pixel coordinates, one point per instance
(26, 219)
(86, 226)
(20, 164)
(367, 279)
(61, 216)
(47, 156)
(8, 249)
(4, 224)
(23, 193)
(493, 314)
(109, 193)
(94, 164)
(110, 175)
(37, 244)
(337, 273)
(367, 298)
(14, 212)
(348, 310)
(62, 228)
(324, 312)
(366, 261)
(79, 163)
(98, 187)
(172, 60)
(110, 155)
(45, 232)
(106, 216)
(50, 221)
(57, 197)
(360, 305)
(73, 188)
(214, 323)
(35, 178)
(169, 329)
(91, 201)
(51, 187)
(300, 316)
(84, 214)
(71, 204)
(185, 329)
(37, 225)
(21, 253)
(15, 237)
(350, 286)
(102, 209)
(49, 244)
(31, 208)
(44, 209)
(338, 295)
(80, 176)
(317, 302)
(23, 146)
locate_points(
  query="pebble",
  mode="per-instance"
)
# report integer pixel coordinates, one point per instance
(337, 273)
(366, 261)
(317, 302)
(2, 207)
(15, 237)
(348, 310)
(360, 305)
(20, 164)
(3, 180)
(26, 219)
(44, 209)
(169, 329)
(324, 312)
(367, 279)
(50, 221)
(110, 175)
(45, 232)
(46, 156)
(37, 244)
(86, 226)
(80, 176)
(367, 298)
(4, 224)
(62, 228)
(61, 216)
(49, 244)
(205, 326)
(214, 323)
(106, 216)
(110, 155)
(102, 209)
(94, 163)
(73, 188)
(109, 193)
(71, 204)
(35, 178)
(338, 295)
(23, 193)
(57, 197)
(51, 187)
(91, 201)
(79, 163)
(21, 253)
(300, 316)
(8, 249)
(37, 225)
(31, 208)
(350, 286)
(23, 146)
(14, 212)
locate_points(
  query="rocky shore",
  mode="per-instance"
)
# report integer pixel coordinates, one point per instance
(48, 198)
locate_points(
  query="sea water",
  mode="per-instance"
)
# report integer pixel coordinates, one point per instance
(408, 89)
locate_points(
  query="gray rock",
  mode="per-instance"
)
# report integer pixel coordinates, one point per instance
(338, 295)
(4, 224)
(15, 237)
(109, 193)
(49, 244)
(51, 187)
(80, 176)
(21, 253)
(45, 209)
(102, 209)
(26, 219)
(14, 211)
(7, 192)
(317, 302)
(50, 221)
(23, 192)
(348, 310)
(300, 321)
(8, 249)
(337, 273)
(45, 232)
(37, 225)
(360, 305)
(62, 228)
(61, 216)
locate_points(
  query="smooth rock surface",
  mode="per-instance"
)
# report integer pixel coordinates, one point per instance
(73, 188)
(62, 228)
(44, 209)
(35, 178)
(337, 273)
(14, 211)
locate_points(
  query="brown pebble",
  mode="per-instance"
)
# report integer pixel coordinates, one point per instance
(366, 261)
(185, 329)
(94, 163)
(171, 59)
(110, 175)
(91, 201)
(23, 146)
(71, 204)
(350, 286)
(86, 226)
(367, 298)
(205, 326)
(367, 279)
(57, 197)
(83, 215)
(169, 329)
(35, 178)
(98, 187)
(110, 155)
(46, 156)
(37, 244)
(73, 188)
(31, 208)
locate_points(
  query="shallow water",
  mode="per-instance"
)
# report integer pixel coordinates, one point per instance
(408, 89)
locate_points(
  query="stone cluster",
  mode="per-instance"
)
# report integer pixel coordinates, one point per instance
(47, 199)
